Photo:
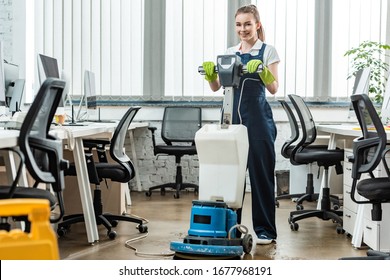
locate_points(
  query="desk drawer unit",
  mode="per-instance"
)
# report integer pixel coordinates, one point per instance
(349, 219)
(376, 233)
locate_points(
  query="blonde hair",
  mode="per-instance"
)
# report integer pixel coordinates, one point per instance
(252, 9)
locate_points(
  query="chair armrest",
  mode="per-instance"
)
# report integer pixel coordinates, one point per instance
(95, 142)
(153, 129)
(384, 161)
(91, 167)
(99, 145)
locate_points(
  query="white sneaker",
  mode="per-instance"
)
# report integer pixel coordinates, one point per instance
(264, 240)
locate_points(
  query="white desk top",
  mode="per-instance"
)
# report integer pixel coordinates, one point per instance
(8, 138)
(344, 129)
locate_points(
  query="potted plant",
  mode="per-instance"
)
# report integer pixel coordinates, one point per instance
(371, 54)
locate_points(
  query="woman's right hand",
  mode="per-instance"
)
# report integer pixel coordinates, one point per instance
(209, 69)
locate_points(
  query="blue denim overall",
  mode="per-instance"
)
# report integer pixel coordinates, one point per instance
(257, 116)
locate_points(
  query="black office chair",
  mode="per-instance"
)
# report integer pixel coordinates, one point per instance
(368, 151)
(121, 170)
(42, 152)
(178, 130)
(286, 151)
(326, 158)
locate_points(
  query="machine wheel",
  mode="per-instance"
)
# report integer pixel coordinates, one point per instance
(142, 228)
(148, 193)
(299, 207)
(247, 243)
(294, 226)
(111, 234)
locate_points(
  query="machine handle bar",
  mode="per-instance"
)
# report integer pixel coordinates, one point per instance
(244, 70)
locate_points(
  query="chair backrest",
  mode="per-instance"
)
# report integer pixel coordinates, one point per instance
(367, 149)
(117, 152)
(43, 152)
(308, 127)
(293, 128)
(180, 123)
(34, 133)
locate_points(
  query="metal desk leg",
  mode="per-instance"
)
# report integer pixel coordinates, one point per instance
(11, 162)
(85, 191)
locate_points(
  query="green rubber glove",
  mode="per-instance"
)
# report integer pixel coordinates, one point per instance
(265, 75)
(209, 68)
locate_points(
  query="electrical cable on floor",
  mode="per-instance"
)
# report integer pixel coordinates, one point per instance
(143, 236)
(144, 254)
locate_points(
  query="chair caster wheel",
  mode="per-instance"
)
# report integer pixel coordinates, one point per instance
(114, 223)
(148, 193)
(111, 234)
(61, 231)
(340, 230)
(142, 228)
(176, 195)
(247, 243)
(294, 226)
(336, 207)
(299, 207)
(162, 192)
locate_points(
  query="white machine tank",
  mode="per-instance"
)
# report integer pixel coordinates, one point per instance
(223, 155)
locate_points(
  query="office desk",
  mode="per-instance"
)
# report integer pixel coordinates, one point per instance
(8, 138)
(346, 133)
(73, 136)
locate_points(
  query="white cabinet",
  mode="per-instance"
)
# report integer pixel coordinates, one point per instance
(349, 207)
(376, 234)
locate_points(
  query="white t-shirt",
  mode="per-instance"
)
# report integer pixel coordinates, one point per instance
(270, 54)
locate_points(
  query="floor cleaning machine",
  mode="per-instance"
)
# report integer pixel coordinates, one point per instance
(222, 152)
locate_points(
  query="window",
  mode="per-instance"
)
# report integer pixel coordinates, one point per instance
(195, 32)
(105, 37)
(108, 38)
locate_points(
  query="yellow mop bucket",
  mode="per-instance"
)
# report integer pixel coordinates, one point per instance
(40, 243)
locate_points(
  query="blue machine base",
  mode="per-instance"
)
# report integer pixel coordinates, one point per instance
(209, 250)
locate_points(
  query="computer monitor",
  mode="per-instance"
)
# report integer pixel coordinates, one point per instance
(361, 85)
(48, 68)
(89, 90)
(385, 111)
(2, 80)
(89, 83)
(14, 87)
(362, 81)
